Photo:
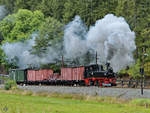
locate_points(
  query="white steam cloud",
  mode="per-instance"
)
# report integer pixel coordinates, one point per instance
(3, 12)
(110, 37)
(21, 53)
(75, 39)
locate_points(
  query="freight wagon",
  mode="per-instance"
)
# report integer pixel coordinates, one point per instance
(72, 75)
(39, 76)
(82, 75)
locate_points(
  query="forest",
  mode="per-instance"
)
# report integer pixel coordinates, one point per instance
(24, 17)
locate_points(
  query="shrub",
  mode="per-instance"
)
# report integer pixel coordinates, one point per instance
(10, 84)
(141, 102)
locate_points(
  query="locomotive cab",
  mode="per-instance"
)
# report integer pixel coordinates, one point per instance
(93, 71)
(97, 74)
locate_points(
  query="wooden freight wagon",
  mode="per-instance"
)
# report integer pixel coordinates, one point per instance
(31, 75)
(39, 75)
(72, 75)
(66, 74)
(78, 73)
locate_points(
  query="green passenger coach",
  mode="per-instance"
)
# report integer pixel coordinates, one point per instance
(18, 75)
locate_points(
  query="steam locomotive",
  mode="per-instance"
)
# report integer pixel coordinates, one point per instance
(91, 75)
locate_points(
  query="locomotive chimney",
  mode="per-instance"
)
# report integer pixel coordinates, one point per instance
(107, 65)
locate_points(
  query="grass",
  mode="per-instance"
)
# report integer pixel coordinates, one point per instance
(4, 78)
(20, 101)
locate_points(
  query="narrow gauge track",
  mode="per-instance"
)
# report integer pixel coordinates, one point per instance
(125, 93)
(120, 84)
(84, 86)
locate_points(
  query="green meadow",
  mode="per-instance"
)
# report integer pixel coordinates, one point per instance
(28, 102)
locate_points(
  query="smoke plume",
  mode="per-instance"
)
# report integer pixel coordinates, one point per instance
(75, 39)
(21, 53)
(110, 37)
(3, 12)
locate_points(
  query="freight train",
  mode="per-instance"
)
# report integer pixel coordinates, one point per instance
(92, 75)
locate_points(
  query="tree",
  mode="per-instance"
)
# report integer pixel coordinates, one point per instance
(69, 11)
(52, 8)
(20, 26)
(127, 9)
(51, 32)
(10, 4)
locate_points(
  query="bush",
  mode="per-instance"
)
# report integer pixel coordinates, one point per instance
(10, 84)
(141, 102)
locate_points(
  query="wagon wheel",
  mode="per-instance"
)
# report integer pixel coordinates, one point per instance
(100, 82)
(91, 83)
(97, 83)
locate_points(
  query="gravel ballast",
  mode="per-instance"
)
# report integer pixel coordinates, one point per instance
(126, 93)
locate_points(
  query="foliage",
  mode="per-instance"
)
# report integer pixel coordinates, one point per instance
(3, 61)
(134, 70)
(19, 26)
(4, 78)
(10, 84)
(54, 67)
(141, 102)
(48, 17)
(51, 33)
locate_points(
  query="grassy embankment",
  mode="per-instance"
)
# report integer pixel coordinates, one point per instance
(28, 102)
